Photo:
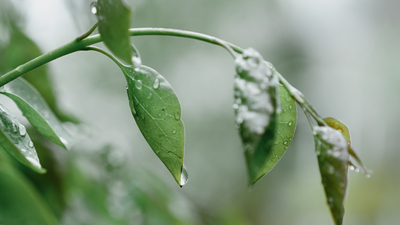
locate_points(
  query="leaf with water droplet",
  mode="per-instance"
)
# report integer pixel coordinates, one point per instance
(256, 109)
(283, 133)
(333, 158)
(17, 144)
(342, 128)
(114, 24)
(35, 109)
(158, 117)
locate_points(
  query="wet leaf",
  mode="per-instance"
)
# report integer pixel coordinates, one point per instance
(284, 132)
(157, 113)
(20, 202)
(21, 49)
(114, 24)
(333, 158)
(15, 140)
(37, 112)
(256, 109)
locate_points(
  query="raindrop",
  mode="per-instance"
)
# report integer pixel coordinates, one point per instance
(238, 101)
(34, 162)
(136, 61)
(138, 84)
(156, 84)
(133, 110)
(150, 95)
(184, 176)
(290, 123)
(177, 115)
(15, 127)
(235, 106)
(93, 8)
(22, 130)
(357, 170)
(285, 142)
(31, 144)
(23, 150)
(65, 142)
(351, 167)
(174, 131)
(290, 107)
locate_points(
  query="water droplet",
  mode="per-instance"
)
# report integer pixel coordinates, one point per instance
(23, 150)
(34, 162)
(331, 169)
(15, 127)
(284, 110)
(138, 84)
(136, 61)
(177, 116)
(318, 152)
(150, 95)
(285, 142)
(22, 130)
(368, 175)
(156, 84)
(133, 110)
(290, 107)
(290, 123)
(174, 131)
(184, 176)
(351, 167)
(93, 8)
(63, 141)
(31, 144)
(238, 101)
(235, 106)
(357, 170)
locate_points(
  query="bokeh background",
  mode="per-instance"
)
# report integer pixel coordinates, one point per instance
(342, 55)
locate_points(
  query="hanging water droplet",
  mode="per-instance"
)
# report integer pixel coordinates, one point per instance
(93, 8)
(156, 84)
(357, 170)
(318, 152)
(184, 176)
(63, 141)
(22, 130)
(290, 123)
(136, 61)
(150, 95)
(31, 144)
(351, 167)
(138, 84)
(174, 131)
(177, 115)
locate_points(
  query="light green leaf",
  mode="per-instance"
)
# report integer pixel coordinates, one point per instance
(333, 158)
(37, 112)
(157, 113)
(15, 140)
(114, 24)
(284, 132)
(256, 105)
(20, 202)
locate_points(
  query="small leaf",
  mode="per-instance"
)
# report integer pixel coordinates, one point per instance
(333, 158)
(20, 201)
(35, 109)
(256, 105)
(284, 132)
(342, 128)
(15, 140)
(157, 113)
(114, 24)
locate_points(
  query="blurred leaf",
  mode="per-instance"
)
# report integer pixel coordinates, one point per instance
(20, 203)
(333, 158)
(20, 50)
(157, 113)
(256, 105)
(35, 109)
(15, 140)
(114, 24)
(284, 131)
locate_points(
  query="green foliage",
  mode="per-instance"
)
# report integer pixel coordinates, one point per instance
(157, 113)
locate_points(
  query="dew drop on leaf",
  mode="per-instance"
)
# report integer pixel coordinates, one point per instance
(31, 144)
(93, 8)
(177, 116)
(22, 130)
(174, 131)
(156, 84)
(290, 123)
(184, 176)
(138, 84)
(150, 95)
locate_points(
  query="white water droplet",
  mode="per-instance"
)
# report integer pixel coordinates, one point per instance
(156, 84)
(31, 144)
(93, 8)
(133, 110)
(138, 84)
(290, 123)
(184, 176)
(174, 131)
(285, 142)
(64, 142)
(235, 106)
(357, 170)
(150, 95)
(15, 127)
(34, 161)
(177, 116)
(22, 130)
(351, 167)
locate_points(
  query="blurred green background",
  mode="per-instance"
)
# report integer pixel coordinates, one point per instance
(343, 55)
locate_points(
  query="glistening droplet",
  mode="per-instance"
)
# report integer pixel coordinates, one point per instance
(177, 116)
(290, 123)
(156, 84)
(150, 95)
(174, 131)
(22, 130)
(138, 84)
(93, 8)
(184, 176)
(136, 60)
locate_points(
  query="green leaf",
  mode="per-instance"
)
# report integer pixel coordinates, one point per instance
(256, 106)
(20, 50)
(284, 132)
(333, 158)
(37, 112)
(15, 140)
(157, 113)
(20, 202)
(114, 24)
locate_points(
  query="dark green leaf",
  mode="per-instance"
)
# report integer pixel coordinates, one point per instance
(114, 24)
(284, 132)
(333, 158)
(15, 140)
(157, 113)
(20, 202)
(20, 50)
(256, 105)
(37, 112)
